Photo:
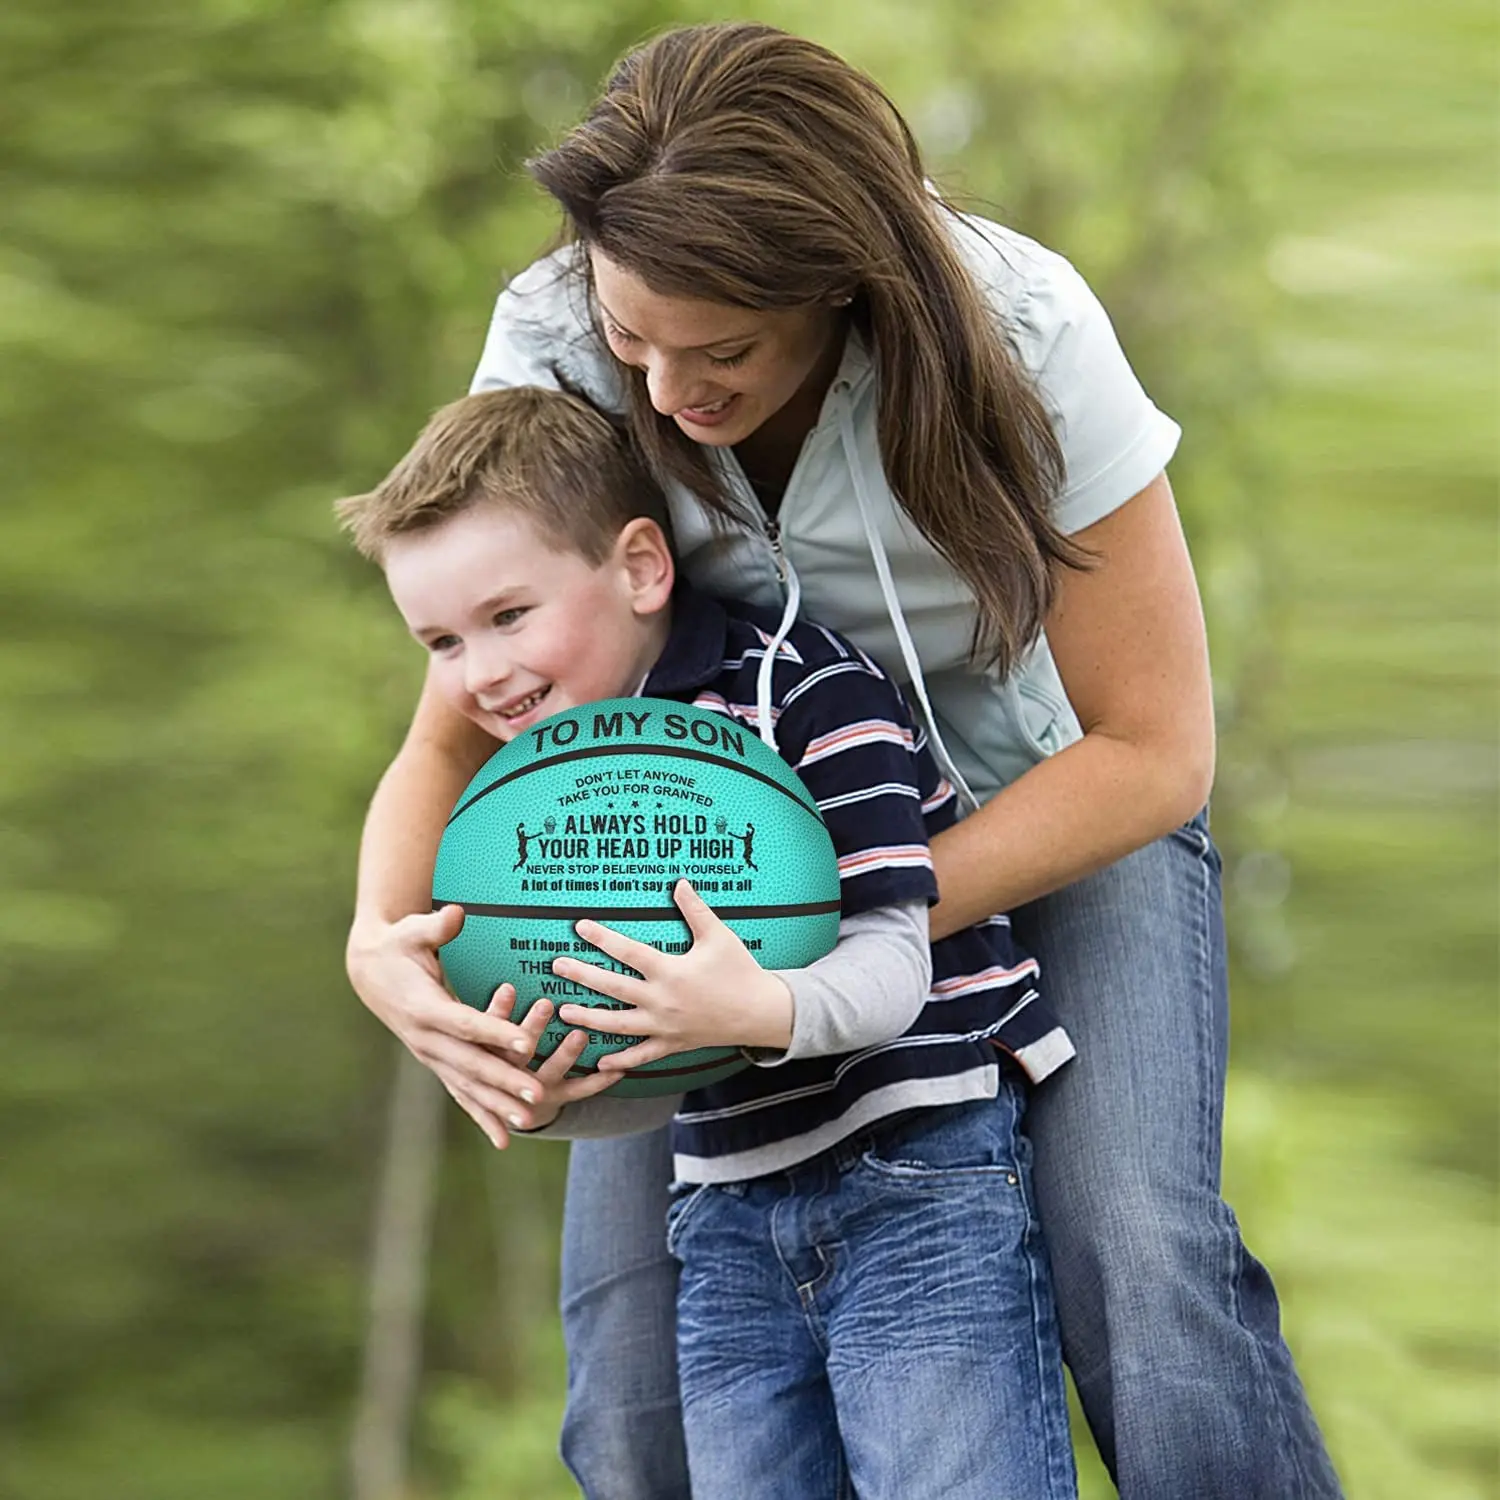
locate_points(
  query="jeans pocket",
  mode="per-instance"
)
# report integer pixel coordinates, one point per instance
(961, 1140)
(686, 1196)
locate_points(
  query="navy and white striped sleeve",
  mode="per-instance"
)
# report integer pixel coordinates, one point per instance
(846, 731)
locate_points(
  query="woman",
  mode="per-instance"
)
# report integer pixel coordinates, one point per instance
(924, 422)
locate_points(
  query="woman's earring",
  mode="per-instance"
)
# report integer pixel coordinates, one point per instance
(842, 301)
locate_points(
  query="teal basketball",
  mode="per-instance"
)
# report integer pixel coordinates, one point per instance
(597, 812)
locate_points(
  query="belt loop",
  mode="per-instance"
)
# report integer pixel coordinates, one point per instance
(848, 1153)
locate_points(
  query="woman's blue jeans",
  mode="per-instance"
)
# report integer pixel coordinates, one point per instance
(1170, 1326)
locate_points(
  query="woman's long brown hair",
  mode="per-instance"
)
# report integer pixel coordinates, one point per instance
(737, 164)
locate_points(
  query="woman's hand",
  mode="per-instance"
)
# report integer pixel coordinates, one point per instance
(554, 1089)
(714, 995)
(480, 1057)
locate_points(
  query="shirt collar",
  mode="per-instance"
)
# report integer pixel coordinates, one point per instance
(694, 653)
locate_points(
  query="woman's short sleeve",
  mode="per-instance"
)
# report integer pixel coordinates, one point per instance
(541, 334)
(1115, 441)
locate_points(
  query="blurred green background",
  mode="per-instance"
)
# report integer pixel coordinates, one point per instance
(245, 247)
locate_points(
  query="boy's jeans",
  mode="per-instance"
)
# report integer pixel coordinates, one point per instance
(876, 1321)
(1170, 1326)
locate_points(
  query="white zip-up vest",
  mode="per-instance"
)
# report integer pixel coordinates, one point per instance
(841, 539)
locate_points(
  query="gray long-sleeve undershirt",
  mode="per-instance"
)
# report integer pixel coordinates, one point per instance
(867, 990)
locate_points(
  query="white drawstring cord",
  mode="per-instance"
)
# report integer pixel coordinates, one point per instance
(768, 661)
(893, 607)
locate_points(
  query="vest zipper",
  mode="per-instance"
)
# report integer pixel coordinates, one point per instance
(771, 528)
(773, 536)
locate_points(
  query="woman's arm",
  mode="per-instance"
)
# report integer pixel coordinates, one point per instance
(392, 951)
(404, 825)
(1129, 642)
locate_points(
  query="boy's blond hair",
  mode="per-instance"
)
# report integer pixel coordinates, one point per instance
(546, 454)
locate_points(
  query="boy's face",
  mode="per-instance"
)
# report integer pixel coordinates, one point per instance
(517, 630)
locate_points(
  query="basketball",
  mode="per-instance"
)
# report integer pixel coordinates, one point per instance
(598, 812)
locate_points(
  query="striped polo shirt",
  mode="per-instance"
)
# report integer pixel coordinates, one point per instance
(844, 727)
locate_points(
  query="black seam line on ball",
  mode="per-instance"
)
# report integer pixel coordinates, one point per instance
(607, 914)
(600, 750)
(651, 1071)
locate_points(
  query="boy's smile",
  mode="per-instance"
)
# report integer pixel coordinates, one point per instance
(518, 630)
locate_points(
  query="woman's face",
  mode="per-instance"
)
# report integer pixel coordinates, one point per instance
(720, 372)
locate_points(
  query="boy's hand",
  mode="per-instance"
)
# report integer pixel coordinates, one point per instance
(480, 1057)
(714, 995)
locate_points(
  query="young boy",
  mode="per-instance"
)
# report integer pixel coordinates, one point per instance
(864, 1297)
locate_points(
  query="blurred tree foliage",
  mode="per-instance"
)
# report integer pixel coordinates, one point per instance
(245, 247)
